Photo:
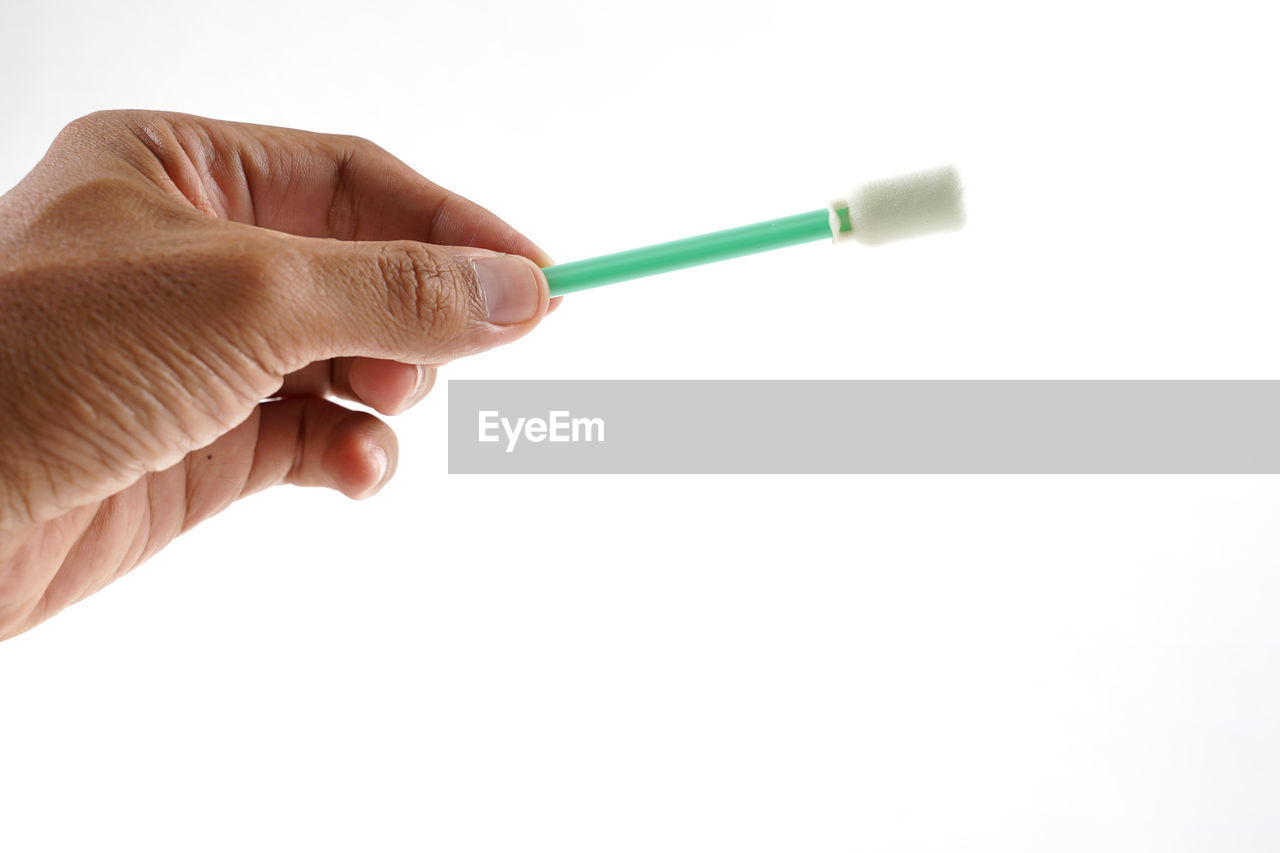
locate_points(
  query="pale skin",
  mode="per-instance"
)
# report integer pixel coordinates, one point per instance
(182, 303)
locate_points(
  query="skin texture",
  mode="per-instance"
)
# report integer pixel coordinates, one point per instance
(180, 301)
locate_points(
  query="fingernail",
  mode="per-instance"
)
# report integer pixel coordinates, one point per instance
(379, 467)
(421, 387)
(511, 288)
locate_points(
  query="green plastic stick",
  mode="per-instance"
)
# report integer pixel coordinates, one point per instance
(691, 251)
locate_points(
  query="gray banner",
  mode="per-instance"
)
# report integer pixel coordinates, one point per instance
(864, 427)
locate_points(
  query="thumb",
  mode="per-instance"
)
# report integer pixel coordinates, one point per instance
(411, 301)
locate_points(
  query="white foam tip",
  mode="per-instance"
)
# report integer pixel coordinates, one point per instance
(927, 202)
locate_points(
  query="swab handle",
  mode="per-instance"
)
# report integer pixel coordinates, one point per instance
(689, 252)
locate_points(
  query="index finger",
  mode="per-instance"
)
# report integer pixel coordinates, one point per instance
(315, 185)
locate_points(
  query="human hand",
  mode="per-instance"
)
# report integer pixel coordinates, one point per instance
(162, 275)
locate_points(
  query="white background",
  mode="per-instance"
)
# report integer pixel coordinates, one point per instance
(713, 663)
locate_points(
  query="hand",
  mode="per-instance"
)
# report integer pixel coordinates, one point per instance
(162, 275)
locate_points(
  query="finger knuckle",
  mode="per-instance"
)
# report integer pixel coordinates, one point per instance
(261, 264)
(112, 123)
(261, 286)
(95, 127)
(359, 143)
(100, 118)
(352, 148)
(426, 291)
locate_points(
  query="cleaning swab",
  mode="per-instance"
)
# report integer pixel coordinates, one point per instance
(879, 212)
